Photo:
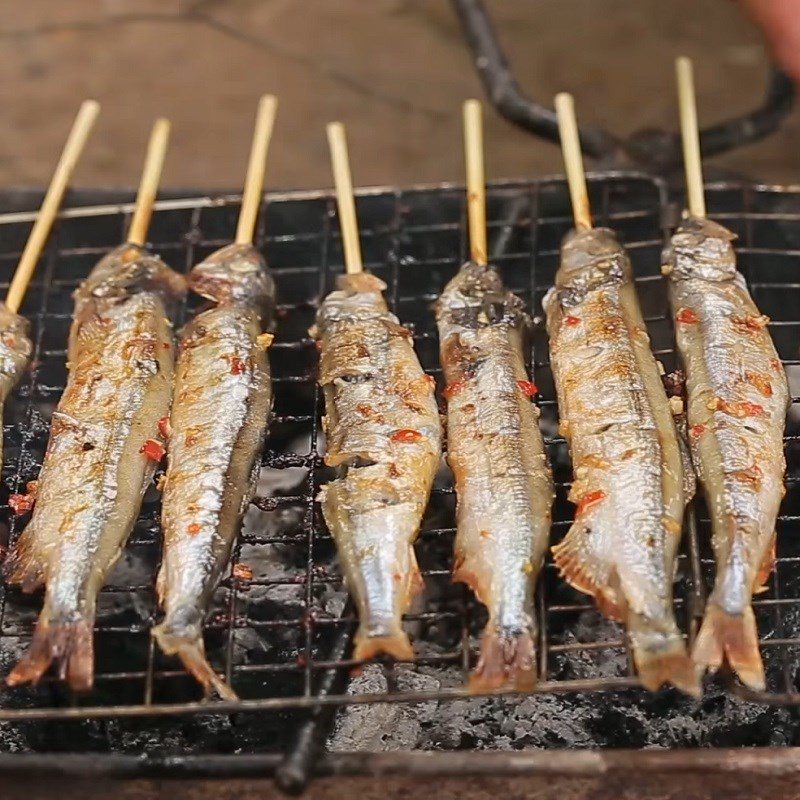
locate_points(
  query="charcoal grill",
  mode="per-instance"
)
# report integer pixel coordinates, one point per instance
(281, 636)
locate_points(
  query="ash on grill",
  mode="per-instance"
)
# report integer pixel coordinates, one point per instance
(276, 617)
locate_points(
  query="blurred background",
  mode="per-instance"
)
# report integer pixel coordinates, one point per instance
(395, 71)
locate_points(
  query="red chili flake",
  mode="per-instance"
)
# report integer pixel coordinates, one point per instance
(752, 322)
(760, 381)
(153, 450)
(166, 345)
(454, 388)
(430, 379)
(588, 500)
(696, 431)
(775, 363)
(572, 321)
(193, 528)
(164, 428)
(528, 388)
(752, 474)
(241, 572)
(21, 504)
(738, 409)
(32, 487)
(406, 435)
(237, 365)
(687, 316)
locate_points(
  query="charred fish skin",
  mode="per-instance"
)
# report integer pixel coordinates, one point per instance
(504, 486)
(96, 467)
(15, 353)
(738, 397)
(629, 482)
(217, 428)
(384, 437)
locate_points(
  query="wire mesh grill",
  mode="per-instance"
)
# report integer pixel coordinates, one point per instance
(276, 615)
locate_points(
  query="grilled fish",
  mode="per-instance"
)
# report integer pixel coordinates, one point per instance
(15, 352)
(99, 459)
(384, 437)
(503, 481)
(629, 483)
(738, 397)
(217, 427)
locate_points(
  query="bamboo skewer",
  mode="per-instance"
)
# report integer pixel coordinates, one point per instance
(476, 180)
(573, 161)
(148, 186)
(690, 136)
(345, 201)
(256, 167)
(81, 128)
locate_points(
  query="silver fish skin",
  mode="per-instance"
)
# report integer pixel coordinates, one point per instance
(384, 436)
(503, 481)
(96, 468)
(15, 353)
(218, 424)
(629, 482)
(738, 397)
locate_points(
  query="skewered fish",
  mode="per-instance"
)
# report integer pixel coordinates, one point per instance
(216, 432)
(15, 352)
(103, 448)
(503, 481)
(737, 402)
(629, 486)
(384, 438)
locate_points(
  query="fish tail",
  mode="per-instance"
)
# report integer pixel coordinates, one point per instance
(394, 643)
(175, 638)
(661, 657)
(732, 638)
(68, 644)
(507, 659)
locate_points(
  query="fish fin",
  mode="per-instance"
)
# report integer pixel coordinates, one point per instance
(766, 568)
(464, 574)
(161, 585)
(579, 565)
(23, 566)
(397, 645)
(732, 638)
(506, 660)
(69, 644)
(416, 584)
(188, 646)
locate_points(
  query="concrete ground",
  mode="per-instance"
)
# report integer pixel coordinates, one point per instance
(395, 71)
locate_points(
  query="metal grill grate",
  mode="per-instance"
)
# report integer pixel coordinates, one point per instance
(277, 615)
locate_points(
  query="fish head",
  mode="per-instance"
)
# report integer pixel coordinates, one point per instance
(356, 296)
(235, 274)
(589, 260)
(701, 248)
(476, 297)
(15, 344)
(126, 270)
